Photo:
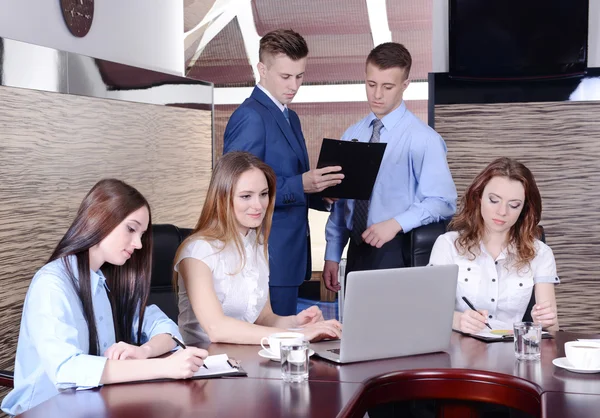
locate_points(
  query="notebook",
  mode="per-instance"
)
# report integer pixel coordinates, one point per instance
(219, 365)
(501, 331)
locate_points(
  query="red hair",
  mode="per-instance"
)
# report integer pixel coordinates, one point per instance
(469, 222)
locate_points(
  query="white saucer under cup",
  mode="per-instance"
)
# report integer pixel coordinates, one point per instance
(265, 354)
(563, 363)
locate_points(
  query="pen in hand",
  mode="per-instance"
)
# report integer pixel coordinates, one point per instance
(182, 345)
(470, 305)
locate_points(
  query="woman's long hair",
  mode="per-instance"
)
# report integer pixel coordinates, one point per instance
(469, 222)
(217, 219)
(108, 203)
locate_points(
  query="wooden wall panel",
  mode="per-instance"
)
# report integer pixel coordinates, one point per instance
(55, 147)
(560, 143)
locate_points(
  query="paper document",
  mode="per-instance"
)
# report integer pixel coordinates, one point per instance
(499, 329)
(216, 365)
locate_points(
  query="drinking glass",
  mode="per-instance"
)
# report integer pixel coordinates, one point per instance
(528, 340)
(294, 360)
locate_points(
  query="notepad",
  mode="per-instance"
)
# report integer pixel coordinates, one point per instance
(500, 331)
(217, 366)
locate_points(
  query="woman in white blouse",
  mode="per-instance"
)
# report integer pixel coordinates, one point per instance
(494, 242)
(221, 270)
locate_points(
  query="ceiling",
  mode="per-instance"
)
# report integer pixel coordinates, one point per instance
(221, 36)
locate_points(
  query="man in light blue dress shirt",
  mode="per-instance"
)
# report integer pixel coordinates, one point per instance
(414, 186)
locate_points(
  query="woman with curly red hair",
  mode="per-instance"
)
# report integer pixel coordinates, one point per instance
(494, 241)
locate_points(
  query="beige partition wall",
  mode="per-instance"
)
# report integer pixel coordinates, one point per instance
(560, 143)
(55, 147)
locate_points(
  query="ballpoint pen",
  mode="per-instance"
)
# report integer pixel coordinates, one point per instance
(470, 305)
(182, 345)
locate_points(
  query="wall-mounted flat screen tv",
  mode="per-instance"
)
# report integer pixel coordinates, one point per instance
(507, 39)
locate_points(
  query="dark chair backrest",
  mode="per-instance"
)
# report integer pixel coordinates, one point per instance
(527, 317)
(166, 241)
(7, 378)
(420, 241)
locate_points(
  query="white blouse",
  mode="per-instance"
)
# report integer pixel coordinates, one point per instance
(242, 294)
(495, 285)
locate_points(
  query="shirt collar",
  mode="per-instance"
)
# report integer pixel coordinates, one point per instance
(391, 119)
(503, 254)
(250, 238)
(273, 99)
(97, 279)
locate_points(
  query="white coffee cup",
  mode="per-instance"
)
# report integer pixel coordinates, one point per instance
(583, 354)
(274, 341)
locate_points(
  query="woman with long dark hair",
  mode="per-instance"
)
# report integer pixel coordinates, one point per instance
(494, 241)
(222, 269)
(85, 321)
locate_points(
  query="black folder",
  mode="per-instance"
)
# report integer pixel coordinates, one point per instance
(360, 162)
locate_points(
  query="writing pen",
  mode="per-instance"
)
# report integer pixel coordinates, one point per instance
(470, 305)
(182, 345)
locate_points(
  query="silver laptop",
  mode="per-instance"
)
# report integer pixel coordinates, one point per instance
(393, 313)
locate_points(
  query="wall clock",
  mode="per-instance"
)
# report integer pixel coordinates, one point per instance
(78, 15)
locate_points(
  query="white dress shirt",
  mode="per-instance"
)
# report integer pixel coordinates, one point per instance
(495, 284)
(242, 292)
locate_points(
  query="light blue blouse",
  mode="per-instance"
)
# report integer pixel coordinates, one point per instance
(53, 339)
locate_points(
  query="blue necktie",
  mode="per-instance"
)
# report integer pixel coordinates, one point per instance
(361, 207)
(286, 113)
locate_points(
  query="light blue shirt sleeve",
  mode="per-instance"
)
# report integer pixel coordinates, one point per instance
(155, 322)
(59, 335)
(435, 195)
(336, 232)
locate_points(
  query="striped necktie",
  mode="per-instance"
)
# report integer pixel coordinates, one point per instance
(286, 113)
(361, 207)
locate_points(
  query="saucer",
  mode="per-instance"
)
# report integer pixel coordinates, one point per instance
(265, 354)
(563, 363)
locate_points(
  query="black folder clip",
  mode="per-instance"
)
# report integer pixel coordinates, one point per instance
(233, 363)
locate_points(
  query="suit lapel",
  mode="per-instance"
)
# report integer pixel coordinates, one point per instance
(295, 124)
(286, 128)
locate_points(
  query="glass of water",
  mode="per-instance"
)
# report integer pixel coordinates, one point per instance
(528, 340)
(294, 360)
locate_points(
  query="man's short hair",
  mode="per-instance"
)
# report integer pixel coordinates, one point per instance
(283, 41)
(390, 55)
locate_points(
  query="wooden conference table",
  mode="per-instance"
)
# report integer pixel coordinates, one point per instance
(469, 370)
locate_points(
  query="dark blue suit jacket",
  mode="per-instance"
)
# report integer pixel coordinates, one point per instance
(259, 127)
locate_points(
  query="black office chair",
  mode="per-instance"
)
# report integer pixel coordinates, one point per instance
(420, 242)
(527, 317)
(7, 378)
(166, 240)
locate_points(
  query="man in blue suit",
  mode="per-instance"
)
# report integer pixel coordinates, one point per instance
(264, 126)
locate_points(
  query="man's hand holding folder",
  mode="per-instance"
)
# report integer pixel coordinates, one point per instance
(317, 180)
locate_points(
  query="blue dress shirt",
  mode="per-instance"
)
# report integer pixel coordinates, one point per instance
(52, 351)
(414, 185)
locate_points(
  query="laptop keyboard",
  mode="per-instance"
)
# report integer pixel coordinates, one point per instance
(334, 351)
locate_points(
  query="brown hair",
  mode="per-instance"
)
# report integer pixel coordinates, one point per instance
(106, 205)
(469, 222)
(217, 219)
(282, 41)
(390, 55)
